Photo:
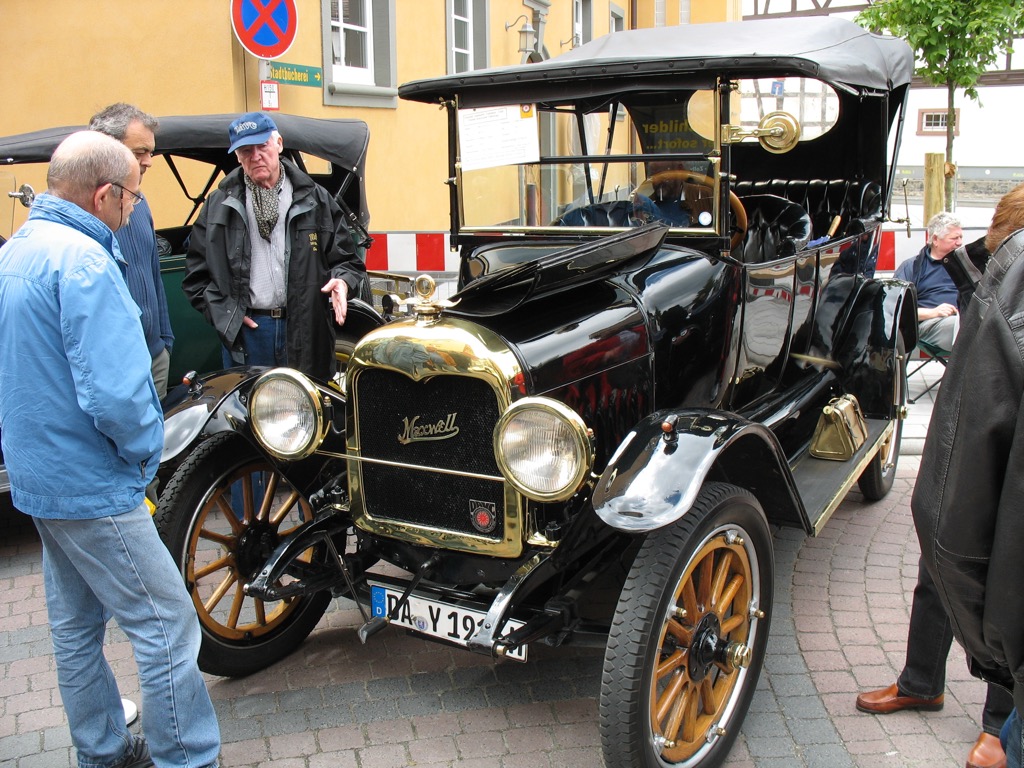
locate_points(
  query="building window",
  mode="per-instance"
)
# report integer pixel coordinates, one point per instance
(352, 42)
(359, 53)
(582, 22)
(932, 122)
(467, 35)
(616, 18)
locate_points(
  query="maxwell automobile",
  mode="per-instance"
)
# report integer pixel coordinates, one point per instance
(621, 406)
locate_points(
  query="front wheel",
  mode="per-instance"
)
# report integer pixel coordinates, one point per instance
(689, 635)
(221, 515)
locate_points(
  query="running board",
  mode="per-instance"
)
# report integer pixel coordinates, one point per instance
(823, 484)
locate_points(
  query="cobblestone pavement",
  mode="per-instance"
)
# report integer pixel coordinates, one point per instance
(841, 610)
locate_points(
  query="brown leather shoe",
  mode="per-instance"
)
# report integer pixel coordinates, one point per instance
(886, 700)
(986, 753)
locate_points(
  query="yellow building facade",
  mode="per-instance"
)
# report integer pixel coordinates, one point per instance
(67, 59)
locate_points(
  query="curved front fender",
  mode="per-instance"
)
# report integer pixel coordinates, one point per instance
(211, 404)
(651, 482)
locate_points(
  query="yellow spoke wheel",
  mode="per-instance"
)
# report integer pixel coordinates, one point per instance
(689, 635)
(222, 514)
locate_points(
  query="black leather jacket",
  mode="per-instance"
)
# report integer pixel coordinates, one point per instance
(968, 501)
(217, 267)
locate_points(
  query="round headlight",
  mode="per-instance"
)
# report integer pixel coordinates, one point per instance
(285, 414)
(543, 448)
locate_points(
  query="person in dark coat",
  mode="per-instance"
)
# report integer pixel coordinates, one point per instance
(967, 499)
(268, 255)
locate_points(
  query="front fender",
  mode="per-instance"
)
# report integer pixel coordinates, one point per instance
(652, 481)
(212, 403)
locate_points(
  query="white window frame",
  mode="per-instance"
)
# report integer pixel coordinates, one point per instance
(616, 18)
(340, 30)
(942, 117)
(479, 44)
(371, 86)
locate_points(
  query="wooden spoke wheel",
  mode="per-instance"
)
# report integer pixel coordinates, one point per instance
(221, 515)
(689, 636)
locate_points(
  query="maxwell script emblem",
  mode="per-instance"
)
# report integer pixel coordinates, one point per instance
(414, 432)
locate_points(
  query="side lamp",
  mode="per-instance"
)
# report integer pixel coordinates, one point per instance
(527, 34)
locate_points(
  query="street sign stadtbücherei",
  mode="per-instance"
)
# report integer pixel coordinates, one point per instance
(296, 74)
(265, 28)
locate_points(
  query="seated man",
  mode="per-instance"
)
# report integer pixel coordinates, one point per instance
(938, 317)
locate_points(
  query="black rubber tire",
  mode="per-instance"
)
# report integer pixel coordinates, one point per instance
(343, 349)
(724, 533)
(877, 478)
(214, 551)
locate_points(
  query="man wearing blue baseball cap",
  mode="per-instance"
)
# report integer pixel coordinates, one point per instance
(267, 245)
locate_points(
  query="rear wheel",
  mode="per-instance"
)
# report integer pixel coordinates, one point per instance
(689, 636)
(877, 478)
(221, 515)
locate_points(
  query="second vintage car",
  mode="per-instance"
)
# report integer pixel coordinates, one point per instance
(666, 329)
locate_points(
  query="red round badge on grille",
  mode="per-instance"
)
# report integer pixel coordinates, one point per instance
(484, 520)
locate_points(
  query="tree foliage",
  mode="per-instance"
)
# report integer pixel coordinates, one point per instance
(955, 41)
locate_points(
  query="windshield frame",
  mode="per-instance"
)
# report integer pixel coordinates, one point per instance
(618, 110)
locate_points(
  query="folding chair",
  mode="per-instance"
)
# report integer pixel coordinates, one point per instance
(931, 354)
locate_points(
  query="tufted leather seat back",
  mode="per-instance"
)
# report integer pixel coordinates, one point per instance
(776, 228)
(854, 202)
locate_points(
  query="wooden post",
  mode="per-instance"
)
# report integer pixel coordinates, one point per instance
(934, 185)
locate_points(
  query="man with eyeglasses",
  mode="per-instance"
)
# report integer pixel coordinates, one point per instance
(82, 434)
(137, 239)
(267, 246)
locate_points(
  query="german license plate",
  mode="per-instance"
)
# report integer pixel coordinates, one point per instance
(436, 619)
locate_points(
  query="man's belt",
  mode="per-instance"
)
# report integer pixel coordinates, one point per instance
(277, 312)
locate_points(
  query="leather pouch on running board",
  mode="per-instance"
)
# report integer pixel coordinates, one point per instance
(841, 430)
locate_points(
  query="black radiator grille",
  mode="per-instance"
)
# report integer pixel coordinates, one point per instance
(388, 404)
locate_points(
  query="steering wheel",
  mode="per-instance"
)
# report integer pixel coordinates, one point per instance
(679, 176)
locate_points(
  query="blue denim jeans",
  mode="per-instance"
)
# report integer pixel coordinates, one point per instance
(1012, 738)
(118, 567)
(265, 345)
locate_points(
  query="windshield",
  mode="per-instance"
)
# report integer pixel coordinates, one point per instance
(623, 160)
(617, 165)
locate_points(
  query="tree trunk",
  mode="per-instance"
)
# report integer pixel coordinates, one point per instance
(950, 131)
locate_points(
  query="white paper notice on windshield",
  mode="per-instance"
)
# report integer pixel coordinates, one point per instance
(493, 136)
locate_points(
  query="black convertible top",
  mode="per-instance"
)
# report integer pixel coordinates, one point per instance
(833, 50)
(342, 142)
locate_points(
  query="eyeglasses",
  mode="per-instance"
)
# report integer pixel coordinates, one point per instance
(136, 197)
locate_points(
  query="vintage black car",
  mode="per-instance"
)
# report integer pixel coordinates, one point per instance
(668, 239)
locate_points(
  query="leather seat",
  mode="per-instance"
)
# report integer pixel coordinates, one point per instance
(776, 228)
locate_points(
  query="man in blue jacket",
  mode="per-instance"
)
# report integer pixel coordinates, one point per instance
(938, 316)
(82, 432)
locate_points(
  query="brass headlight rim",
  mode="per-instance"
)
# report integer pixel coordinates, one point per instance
(312, 394)
(581, 437)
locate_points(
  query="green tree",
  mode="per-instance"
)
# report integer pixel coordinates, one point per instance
(955, 42)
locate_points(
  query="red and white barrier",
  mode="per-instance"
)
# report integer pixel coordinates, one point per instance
(411, 252)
